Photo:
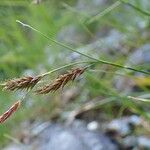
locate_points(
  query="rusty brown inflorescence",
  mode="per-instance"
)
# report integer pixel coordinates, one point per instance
(21, 83)
(9, 112)
(61, 81)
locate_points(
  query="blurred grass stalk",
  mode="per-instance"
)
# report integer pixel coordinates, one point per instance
(139, 99)
(103, 13)
(113, 6)
(83, 54)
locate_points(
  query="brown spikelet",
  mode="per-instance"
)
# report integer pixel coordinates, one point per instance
(21, 83)
(9, 112)
(61, 81)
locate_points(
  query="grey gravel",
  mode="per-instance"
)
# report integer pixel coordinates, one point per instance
(59, 137)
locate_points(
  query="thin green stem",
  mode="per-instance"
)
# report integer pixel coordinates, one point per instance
(85, 55)
(68, 65)
(103, 13)
(136, 8)
(65, 66)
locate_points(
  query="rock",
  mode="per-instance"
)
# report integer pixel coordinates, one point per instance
(63, 138)
(123, 126)
(75, 137)
(130, 142)
(94, 125)
(135, 120)
(120, 126)
(144, 142)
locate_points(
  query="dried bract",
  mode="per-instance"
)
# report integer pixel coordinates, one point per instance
(21, 83)
(61, 81)
(9, 112)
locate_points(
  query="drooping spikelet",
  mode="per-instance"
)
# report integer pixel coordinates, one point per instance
(10, 111)
(61, 81)
(21, 83)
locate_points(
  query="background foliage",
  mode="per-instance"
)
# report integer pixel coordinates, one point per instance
(23, 51)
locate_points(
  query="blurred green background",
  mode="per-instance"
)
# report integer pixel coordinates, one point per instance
(112, 36)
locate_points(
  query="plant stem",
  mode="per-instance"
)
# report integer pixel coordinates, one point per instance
(136, 8)
(68, 65)
(103, 13)
(85, 55)
(65, 66)
(139, 99)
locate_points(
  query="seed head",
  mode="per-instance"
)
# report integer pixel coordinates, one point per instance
(61, 81)
(21, 83)
(10, 111)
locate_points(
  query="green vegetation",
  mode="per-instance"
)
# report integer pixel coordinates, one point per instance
(24, 51)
